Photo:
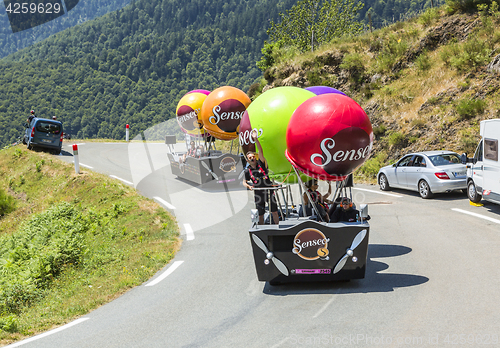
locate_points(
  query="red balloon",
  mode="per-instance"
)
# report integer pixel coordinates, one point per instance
(328, 137)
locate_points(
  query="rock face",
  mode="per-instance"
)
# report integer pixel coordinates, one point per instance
(494, 66)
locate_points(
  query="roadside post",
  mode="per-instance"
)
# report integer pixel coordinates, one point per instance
(126, 132)
(75, 157)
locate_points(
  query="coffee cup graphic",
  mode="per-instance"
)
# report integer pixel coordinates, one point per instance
(26, 14)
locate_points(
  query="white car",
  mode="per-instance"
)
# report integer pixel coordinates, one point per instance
(427, 172)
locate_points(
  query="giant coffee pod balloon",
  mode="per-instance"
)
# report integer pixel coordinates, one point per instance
(203, 91)
(222, 111)
(328, 137)
(188, 113)
(318, 90)
(268, 116)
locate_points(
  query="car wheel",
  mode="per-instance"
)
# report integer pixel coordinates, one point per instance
(383, 183)
(424, 189)
(472, 193)
(24, 141)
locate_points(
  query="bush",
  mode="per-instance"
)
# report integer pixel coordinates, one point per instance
(371, 167)
(468, 108)
(429, 16)
(379, 130)
(396, 138)
(353, 62)
(7, 203)
(454, 6)
(37, 253)
(423, 62)
(471, 55)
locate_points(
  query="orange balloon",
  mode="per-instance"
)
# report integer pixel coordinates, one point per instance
(222, 111)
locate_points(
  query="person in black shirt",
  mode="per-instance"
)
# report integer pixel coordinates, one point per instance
(257, 176)
(30, 117)
(345, 212)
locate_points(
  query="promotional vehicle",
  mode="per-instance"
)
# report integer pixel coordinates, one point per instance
(483, 170)
(207, 166)
(426, 172)
(304, 248)
(44, 133)
(305, 136)
(205, 116)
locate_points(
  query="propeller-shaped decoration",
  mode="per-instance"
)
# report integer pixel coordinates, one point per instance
(270, 256)
(357, 241)
(209, 170)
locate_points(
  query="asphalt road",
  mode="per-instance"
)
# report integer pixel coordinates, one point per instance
(432, 276)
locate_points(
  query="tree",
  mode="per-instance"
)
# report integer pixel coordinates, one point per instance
(311, 23)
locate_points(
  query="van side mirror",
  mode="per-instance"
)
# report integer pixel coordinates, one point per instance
(465, 160)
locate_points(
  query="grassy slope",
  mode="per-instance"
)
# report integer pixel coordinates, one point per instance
(127, 239)
(423, 83)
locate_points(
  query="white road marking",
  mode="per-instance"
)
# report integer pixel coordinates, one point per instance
(122, 180)
(86, 166)
(80, 144)
(326, 304)
(477, 215)
(37, 337)
(164, 202)
(166, 273)
(380, 193)
(189, 232)
(279, 344)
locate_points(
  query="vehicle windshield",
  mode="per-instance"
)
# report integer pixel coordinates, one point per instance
(48, 127)
(445, 159)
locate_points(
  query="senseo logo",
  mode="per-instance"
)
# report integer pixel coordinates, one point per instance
(339, 156)
(188, 116)
(311, 244)
(223, 116)
(246, 138)
(228, 164)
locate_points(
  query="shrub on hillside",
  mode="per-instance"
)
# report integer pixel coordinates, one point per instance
(469, 55)
(7, 203)
(453, 6)
(469, 108)
(371, 167)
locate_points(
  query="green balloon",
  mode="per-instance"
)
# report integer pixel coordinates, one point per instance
(270, 114)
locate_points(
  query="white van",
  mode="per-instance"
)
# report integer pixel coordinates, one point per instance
(483, 170)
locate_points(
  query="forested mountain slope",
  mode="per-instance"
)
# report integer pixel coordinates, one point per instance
(133, 65)
(85, 10)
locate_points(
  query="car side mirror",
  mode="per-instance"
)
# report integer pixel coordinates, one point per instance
(394, 165)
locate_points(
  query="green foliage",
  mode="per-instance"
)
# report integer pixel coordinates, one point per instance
(468, 55)
(353, 62)
(395, 138)
(469, 108)
(311, 23)
(7, 203)
(34, 256)
(464, 5)
(468, 140)
(393, 49)
(423, 62)
(429, 16)
(371, 167)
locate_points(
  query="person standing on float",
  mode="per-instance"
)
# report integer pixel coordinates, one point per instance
(257, 176)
